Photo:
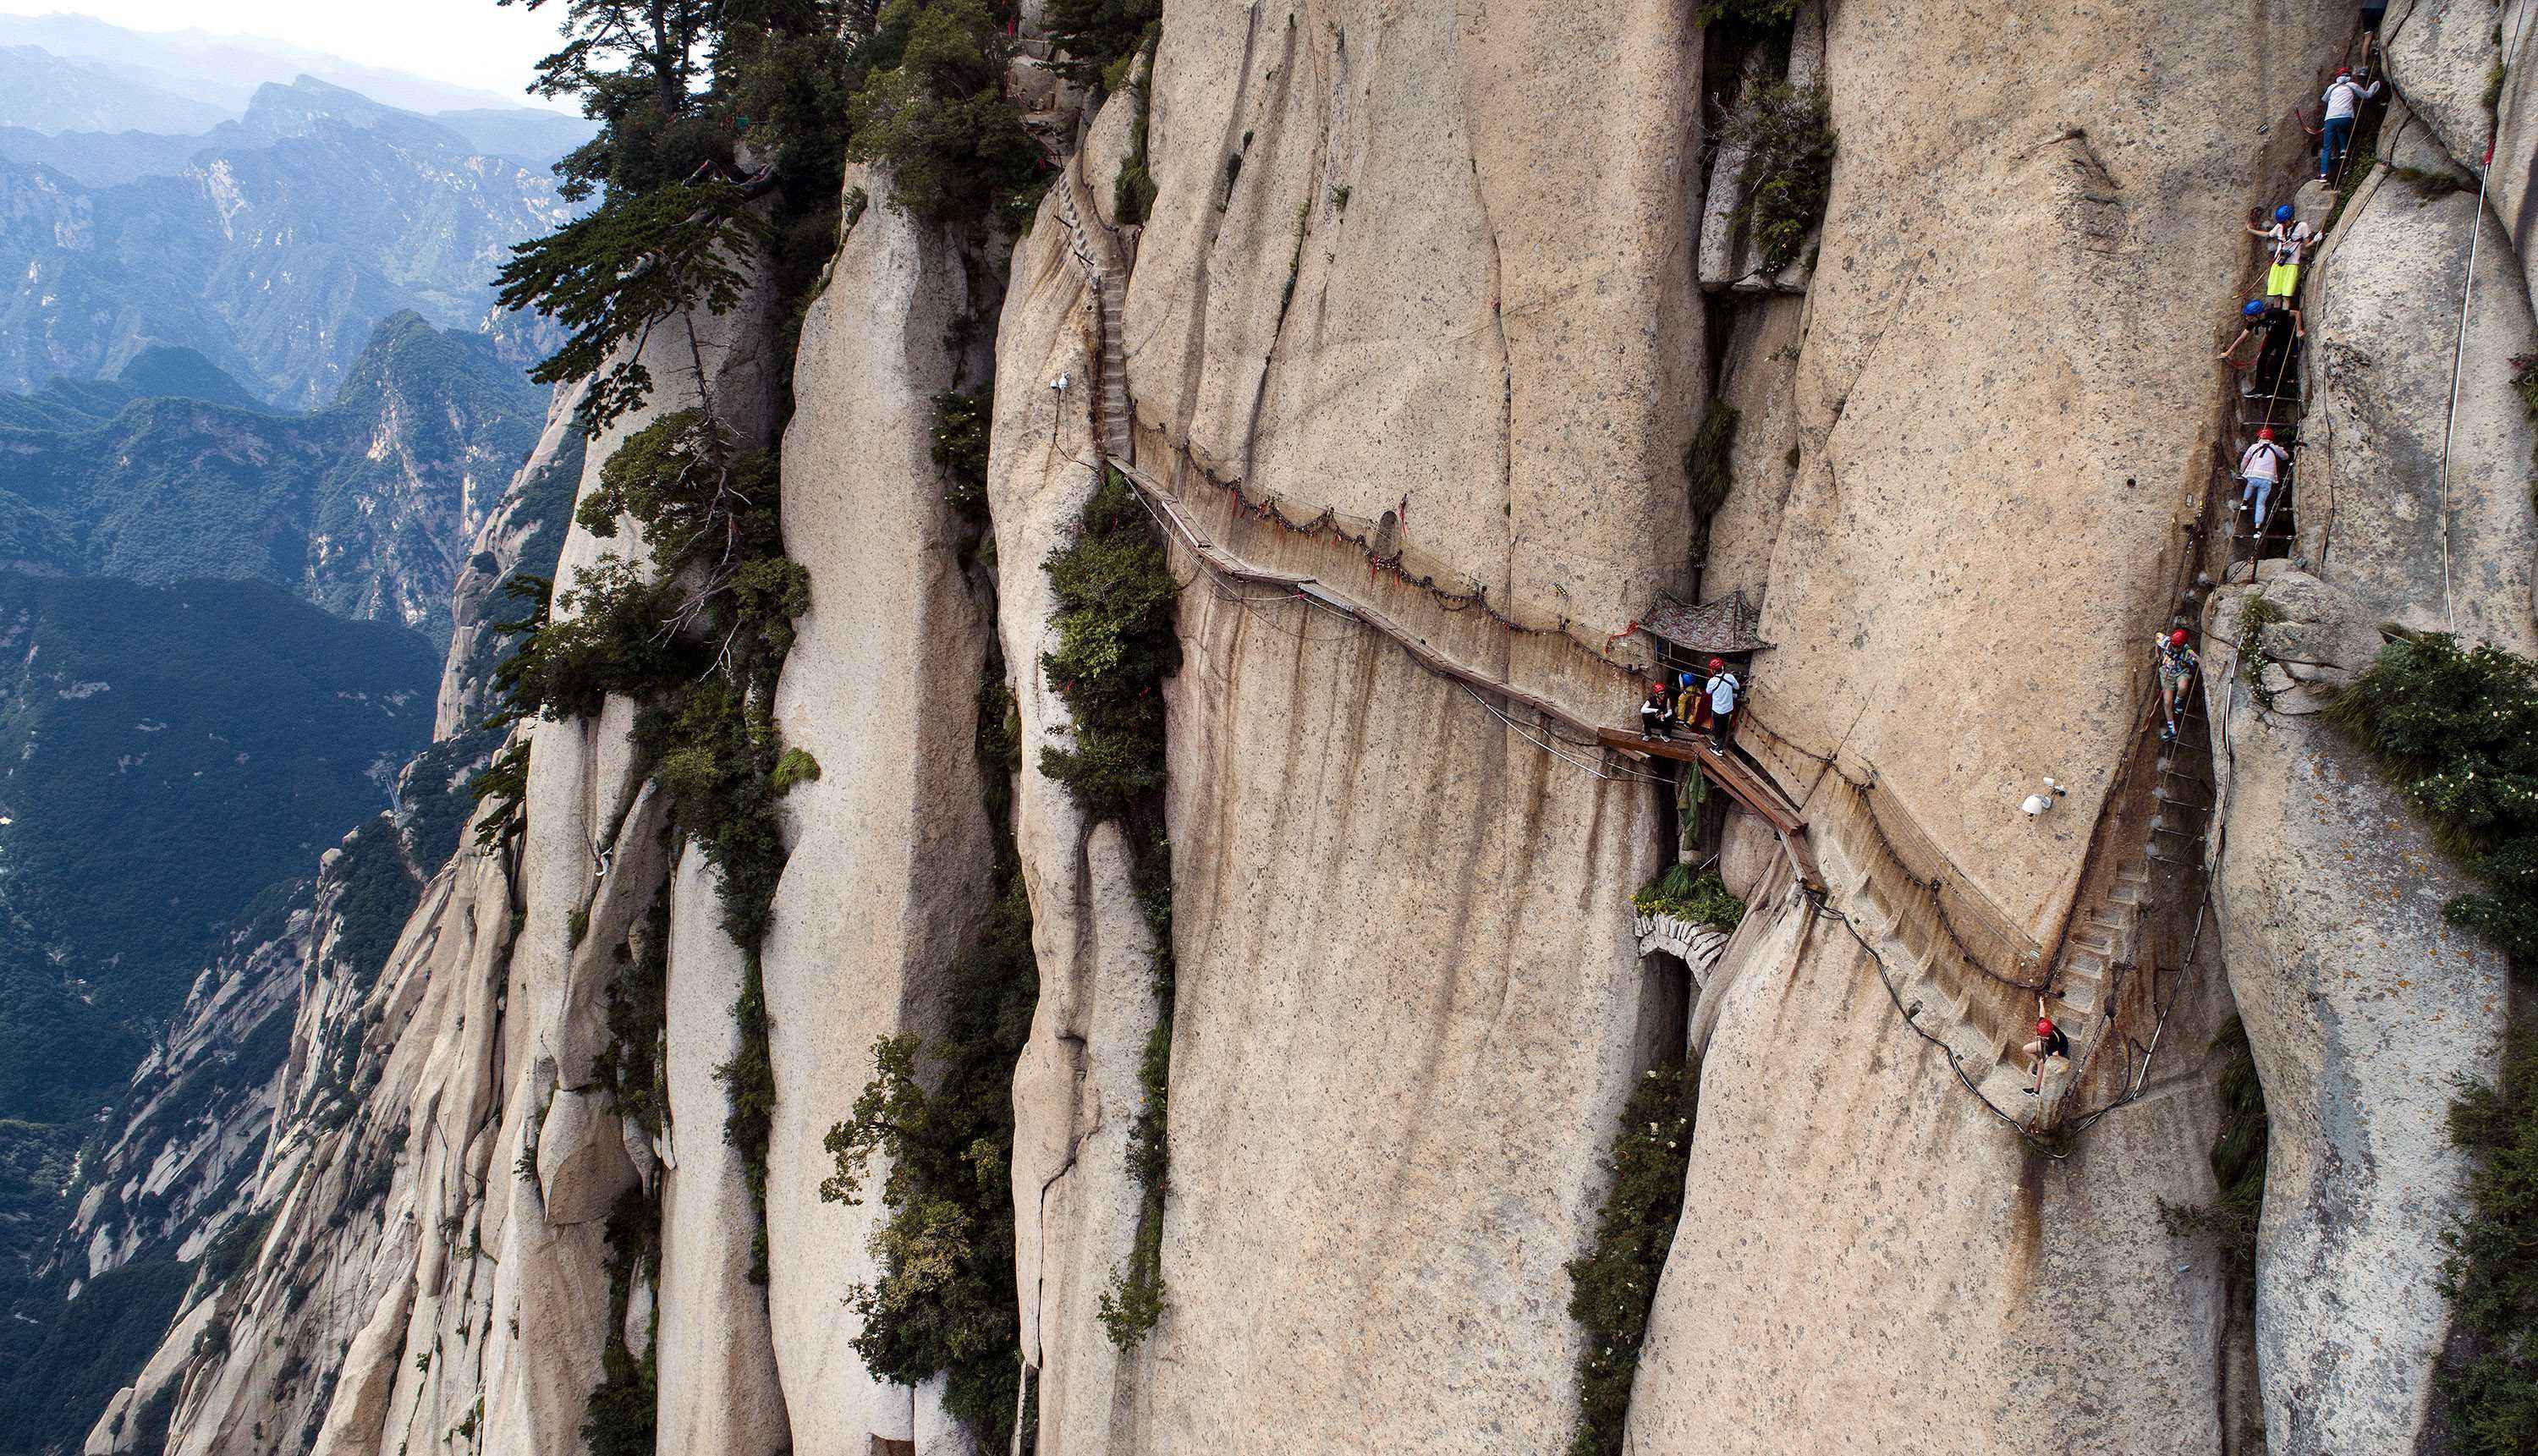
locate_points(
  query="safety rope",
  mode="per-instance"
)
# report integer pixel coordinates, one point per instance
(1820, 909)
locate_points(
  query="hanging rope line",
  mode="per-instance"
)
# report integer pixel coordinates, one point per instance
(1817, 909)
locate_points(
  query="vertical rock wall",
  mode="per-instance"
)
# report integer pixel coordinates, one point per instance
(891, 865)
(2364, 1006)
(1076, 1090)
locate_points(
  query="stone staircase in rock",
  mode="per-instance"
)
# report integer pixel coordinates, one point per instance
(1106, 280)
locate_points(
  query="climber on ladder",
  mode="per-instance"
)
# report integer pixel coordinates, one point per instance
(2050, 1042)
(2287, 239)
(1657, 715)
(2282, 328)
(2177, 664)
(2343, 99)
(2261, 471)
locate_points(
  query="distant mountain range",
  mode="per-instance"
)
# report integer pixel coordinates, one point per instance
(223, 71)
(272, 248)
(174, 471)
(52, 93)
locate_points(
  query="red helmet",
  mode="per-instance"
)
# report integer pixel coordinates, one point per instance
(2343, 71)
(1717, 663)
(2265, 434)
(2044, 1025)
(1656, 686)
(2177, 638)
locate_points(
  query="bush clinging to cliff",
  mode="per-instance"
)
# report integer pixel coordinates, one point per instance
(1788, 177)
(1117, 644)
(2489, 1389)
(934, 112)
(2238, 1159)
(1613, 1284)
(2457, 731)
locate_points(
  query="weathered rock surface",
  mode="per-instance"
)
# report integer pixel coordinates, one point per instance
(1867, 1256)
(2005, 356)
(2385, 318)
(1075, 1089)
(2364, 1009)
(890, 862)
(716, 1352)
(1490, 337)
(522, 533)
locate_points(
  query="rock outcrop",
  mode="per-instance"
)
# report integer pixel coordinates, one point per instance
(888, 875)
(1414, 341)
(2366, 1009)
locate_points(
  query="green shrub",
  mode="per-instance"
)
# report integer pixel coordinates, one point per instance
(234, 1250)
(1789, 174)
(960, 449)
(1706, 472)
(1753, 15)
(1115, 606)
(934, 113)
(748, 1085)
(1613, 1285)
(620, 1418)
(2456, 730)
(1132, 195)
(2489, 1388)
(793, 767)
(1101, 38)
(1700, 898)
(940, 1113)
(639, 1014)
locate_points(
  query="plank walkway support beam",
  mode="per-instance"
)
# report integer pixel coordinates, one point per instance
(1743, 783)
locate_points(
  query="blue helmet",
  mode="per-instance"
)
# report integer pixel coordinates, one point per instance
(2282, 213)
(2255, 308)
(1683, 679)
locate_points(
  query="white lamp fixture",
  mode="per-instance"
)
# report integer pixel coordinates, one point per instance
(2035, 804)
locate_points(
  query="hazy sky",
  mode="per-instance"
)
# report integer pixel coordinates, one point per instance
(470, 42)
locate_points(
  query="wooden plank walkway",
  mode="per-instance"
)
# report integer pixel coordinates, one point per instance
(1743, 783)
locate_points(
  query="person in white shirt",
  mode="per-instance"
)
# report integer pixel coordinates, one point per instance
(2261, 468)
(2343, 99)
(2285, 243)
(1722, 688)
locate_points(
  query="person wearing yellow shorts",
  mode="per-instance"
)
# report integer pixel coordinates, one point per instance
(2285, 242)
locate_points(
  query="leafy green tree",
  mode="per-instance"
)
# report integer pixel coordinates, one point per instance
(935, 114)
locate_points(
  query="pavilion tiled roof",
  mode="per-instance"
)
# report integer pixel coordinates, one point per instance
(1726, 625)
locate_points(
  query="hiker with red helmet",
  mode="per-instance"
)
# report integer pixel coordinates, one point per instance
(2343, 102)
(2050, 1042)
(1721, 690)
(2177, 664)
(1657, 715)
(2260, 470)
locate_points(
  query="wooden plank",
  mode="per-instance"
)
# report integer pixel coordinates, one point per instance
(1752, 789)
(1216, 559)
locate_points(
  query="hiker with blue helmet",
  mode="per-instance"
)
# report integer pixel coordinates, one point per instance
(2287, 239)
(2278, 326)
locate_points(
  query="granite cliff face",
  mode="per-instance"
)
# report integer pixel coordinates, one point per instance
(1403, 362)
